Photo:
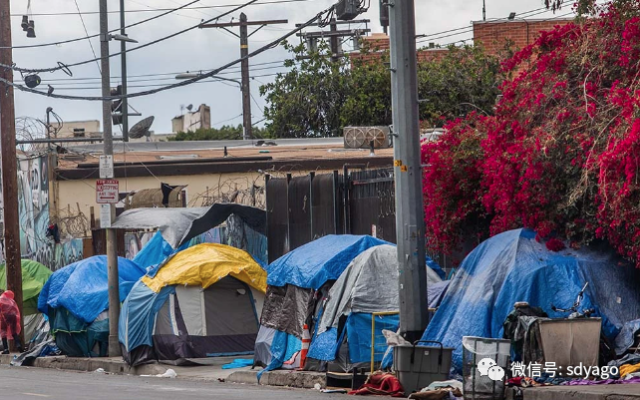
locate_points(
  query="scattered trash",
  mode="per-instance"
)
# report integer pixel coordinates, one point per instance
(394, 339)
(238, 363)
(333, 391)
(168, 374)
(100, 371)
(317, 386)
(222, 380)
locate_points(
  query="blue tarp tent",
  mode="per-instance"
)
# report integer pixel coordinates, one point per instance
(312, 265)
(75, 298)
(292, 279)
(512, 267)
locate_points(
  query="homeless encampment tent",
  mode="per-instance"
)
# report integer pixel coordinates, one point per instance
(76, 298)
(515, 267)
(343, 335)
(202, 302)
(34, 277)
(297, 281)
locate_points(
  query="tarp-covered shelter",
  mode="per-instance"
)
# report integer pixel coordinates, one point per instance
(34, 277)
(179, 225)
(369, 285)
(76, 298)
(514, 266)
(297, 282)
(202, 302)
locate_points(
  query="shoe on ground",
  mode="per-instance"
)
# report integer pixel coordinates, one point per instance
(5, 352)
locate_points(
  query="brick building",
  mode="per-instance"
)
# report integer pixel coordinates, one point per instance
(493, 35)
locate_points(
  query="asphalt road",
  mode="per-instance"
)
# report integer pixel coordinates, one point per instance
(19, 383)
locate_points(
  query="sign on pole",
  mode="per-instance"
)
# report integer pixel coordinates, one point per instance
(106, 167)
(105, 216)
(107, 191)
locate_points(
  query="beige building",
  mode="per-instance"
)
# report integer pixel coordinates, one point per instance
(192, 120)
(199, 173)
(77, 129)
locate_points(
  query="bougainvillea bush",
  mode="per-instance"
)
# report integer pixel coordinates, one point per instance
(562, 153)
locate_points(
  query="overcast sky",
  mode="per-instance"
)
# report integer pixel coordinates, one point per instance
(200, 49)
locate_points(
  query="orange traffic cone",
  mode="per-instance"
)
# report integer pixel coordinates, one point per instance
(306, 341)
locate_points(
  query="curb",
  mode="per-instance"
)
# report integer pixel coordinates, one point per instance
(295, 379)
(90, 365)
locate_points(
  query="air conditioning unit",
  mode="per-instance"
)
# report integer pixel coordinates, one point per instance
(347, 10)
(360, 137)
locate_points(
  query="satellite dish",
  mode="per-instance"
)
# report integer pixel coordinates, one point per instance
(141, 129)
(190, 107)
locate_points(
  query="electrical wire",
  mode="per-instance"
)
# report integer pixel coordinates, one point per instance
(162, 9)
(87, 33)
(324, 17)
(98, 34)
(62, 66)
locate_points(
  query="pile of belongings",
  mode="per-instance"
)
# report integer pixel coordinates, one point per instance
(440, 391)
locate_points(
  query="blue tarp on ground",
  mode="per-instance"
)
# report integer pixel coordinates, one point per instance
(312, 265)
(513, 267)
(82, 287)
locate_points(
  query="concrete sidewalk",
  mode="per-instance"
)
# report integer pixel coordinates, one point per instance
(211, 372)
(595, 392)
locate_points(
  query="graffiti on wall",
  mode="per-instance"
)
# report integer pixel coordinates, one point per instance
(33, 208)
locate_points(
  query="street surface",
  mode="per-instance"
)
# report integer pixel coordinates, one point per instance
(19, 383)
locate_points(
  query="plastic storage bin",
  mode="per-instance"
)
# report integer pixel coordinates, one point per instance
(419, 366)
(478, 386)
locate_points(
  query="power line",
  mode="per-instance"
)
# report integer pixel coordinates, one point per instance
(323, 16)
(162, 9)
(87, 33)
(66, 67)
(97, 34)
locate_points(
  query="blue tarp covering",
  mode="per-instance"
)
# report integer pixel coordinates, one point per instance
(317, 262)
(138, 315)
(154, 252)
(82, 287)
(513, 267)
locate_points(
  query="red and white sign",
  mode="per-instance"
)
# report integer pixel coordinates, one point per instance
(107, 191)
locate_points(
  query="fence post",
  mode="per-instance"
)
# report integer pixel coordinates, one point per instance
(346, 184)
(266, 209)
(288, 215)
(311, 176)
(336, 202)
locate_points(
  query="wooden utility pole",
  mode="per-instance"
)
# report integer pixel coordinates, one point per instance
(9, 161)
(244, 66)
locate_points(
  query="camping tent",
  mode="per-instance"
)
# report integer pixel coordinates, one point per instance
(76, 298)
(34, 276)
(297, 282)
(203, 301)
(514, 266)
(369, 285)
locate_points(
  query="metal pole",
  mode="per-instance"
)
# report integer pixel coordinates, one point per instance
(484, 10)
(410, 225)
(9, 162)
(334, 41)
(246, 88)
(112, 259)
(123, 60)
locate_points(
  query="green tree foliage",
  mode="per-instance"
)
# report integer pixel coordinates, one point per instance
(317, 97)
(463, 80)
(226, 132)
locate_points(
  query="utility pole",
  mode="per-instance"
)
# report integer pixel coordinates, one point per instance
(123, 62)
(334, 35)
(9, 162)
(484, 10)
(112, 258)
(410, 224)
(246, 86)
(244, 52)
